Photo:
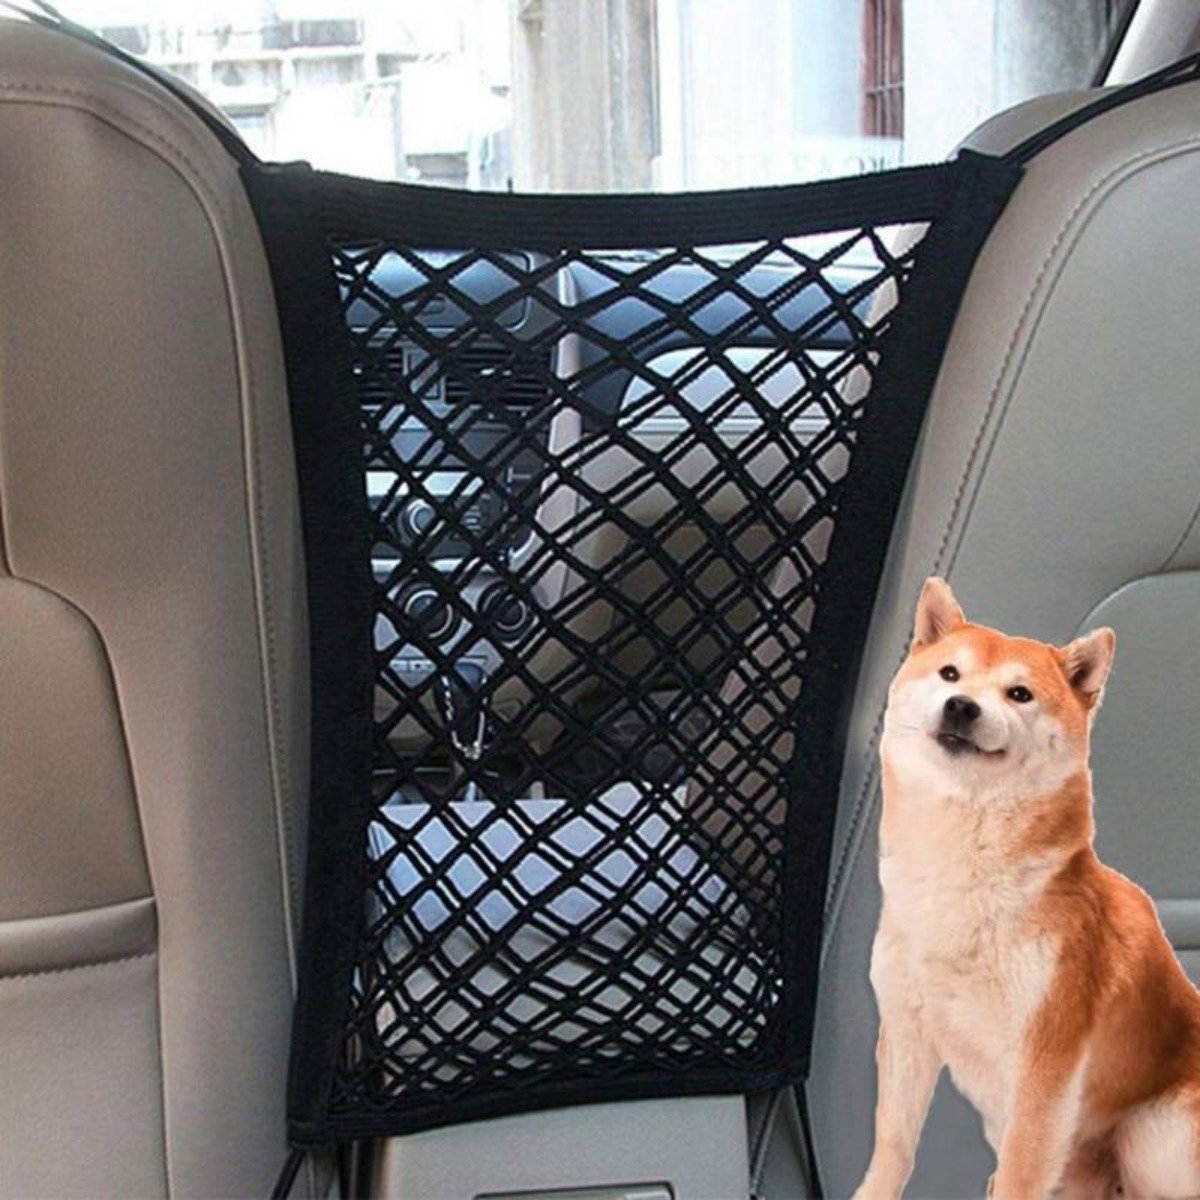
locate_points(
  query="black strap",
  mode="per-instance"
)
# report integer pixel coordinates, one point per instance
(49, 17)
(287, 1174)
(1186, 70)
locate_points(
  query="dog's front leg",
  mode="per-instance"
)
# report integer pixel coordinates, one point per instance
(908, 1070)
(1042, 1128)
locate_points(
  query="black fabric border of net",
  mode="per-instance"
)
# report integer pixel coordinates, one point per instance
(301, 213)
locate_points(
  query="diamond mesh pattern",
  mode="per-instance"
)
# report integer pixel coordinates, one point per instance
(602, 488)
(596, 495)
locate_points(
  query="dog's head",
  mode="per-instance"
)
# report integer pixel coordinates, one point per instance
(973, 710)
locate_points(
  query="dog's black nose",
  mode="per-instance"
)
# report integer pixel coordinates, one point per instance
(962, 710)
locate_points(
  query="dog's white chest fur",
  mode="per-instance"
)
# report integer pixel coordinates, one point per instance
(956, 947)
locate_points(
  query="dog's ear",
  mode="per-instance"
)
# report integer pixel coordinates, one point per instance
(938, 613)
(1087, 662)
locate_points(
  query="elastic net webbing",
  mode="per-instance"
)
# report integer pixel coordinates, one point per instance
(595, 509)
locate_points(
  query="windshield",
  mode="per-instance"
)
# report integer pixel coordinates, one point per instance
(612, 95)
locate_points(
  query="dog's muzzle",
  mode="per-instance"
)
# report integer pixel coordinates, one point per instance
(959, 715)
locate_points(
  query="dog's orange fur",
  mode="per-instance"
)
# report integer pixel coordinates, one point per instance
(1007, 951)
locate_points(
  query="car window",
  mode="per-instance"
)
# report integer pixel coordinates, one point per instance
(612, 95)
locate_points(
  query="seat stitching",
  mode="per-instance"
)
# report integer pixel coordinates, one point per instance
(285, 825)
(87, 966)
(193, 177)
(864, 802)
(1183, 537)
(88, 102)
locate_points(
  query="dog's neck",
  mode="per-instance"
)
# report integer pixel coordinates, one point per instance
(987, 827)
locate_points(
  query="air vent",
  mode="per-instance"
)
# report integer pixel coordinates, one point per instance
(483, 375)
(491, 374)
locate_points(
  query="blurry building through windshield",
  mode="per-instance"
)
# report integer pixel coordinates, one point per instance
(612, 95)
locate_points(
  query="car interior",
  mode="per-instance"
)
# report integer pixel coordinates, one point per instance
(155, 633)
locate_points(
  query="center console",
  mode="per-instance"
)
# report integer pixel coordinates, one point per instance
(462, 429)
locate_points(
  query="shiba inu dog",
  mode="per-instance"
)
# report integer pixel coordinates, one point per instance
(1006, 950)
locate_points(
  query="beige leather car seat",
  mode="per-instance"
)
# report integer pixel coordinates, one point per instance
(1057, 487)
(153, 705)
(152, 644)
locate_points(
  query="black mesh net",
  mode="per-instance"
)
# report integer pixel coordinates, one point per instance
(625, 506)
(602, 488)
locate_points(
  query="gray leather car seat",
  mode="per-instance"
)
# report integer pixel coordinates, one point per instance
(1057, 487)
(153, 706)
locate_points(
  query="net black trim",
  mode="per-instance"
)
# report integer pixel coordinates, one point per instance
(596, 495)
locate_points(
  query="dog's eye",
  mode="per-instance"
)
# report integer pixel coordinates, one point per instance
(1021, 695)
(949, 673)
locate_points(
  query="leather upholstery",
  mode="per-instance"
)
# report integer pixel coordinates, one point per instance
(152, 710)
(1056, 487)
(153, 704)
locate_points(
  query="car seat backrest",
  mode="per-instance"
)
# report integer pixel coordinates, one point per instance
(153, 702)
(1056, 487)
